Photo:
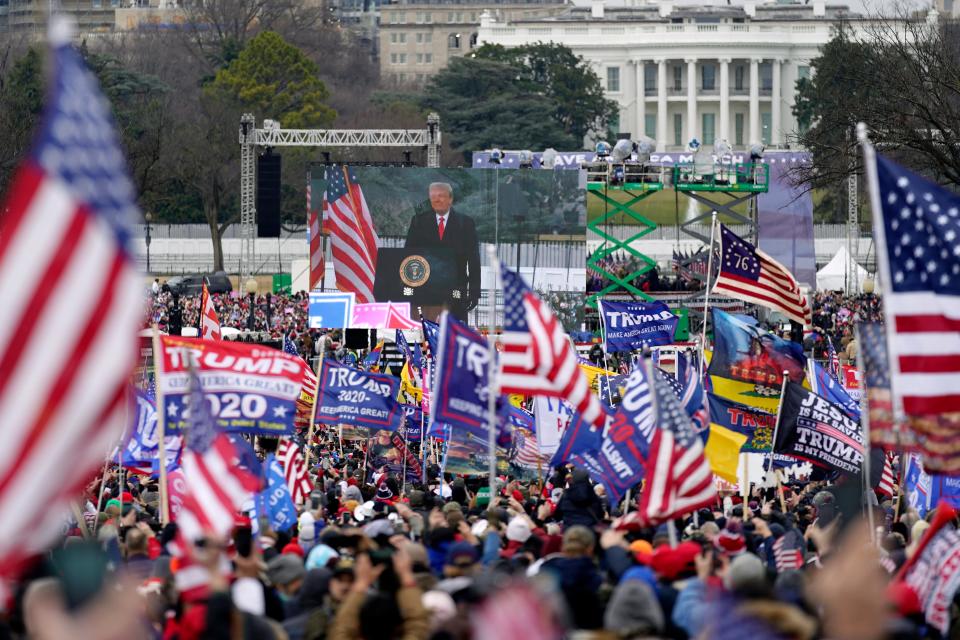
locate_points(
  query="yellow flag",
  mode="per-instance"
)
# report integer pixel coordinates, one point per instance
(408, 383)
(723, 451)
(516, 400)
(592, 372)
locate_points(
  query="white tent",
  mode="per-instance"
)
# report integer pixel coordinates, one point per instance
(833, 276)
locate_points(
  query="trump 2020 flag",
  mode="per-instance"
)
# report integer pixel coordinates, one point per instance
(918, 251)
(72, 306)
(814, 429)
(348, 396)
(462, 386)
(250, 389)
(634, 325)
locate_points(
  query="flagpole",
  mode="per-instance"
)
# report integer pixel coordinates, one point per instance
(706, 295)
(879, 234)
(776, 425)
(161, 427)
(865, 425)
(493, 382)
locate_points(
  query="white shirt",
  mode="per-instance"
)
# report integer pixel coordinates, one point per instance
(442, 216)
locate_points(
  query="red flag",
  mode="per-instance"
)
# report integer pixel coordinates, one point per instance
(294, 470)
(209, 323)
(317, 265)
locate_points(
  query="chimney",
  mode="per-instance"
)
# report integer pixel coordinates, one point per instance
(819, 8)
(666, 8)
(596, 9)
(487, 19)
(750, 8)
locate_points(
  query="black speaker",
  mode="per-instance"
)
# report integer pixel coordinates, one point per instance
(268, 195)
(358, 338)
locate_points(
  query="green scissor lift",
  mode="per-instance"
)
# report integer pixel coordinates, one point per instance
(636, 182)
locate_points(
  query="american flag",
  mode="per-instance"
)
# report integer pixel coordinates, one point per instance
(72, 306)
(216, 483)
(833, 364)
(294, 470)
(887, 478)
(679, 479)
(348, 223)
(749, 274)
(692, 397)
(919, 259)
(308, 386)
(537, 356)
(872, 351)
(788, 550)
(316, 242)
(209, 323)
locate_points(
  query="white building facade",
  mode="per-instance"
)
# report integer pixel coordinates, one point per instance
(682, 72)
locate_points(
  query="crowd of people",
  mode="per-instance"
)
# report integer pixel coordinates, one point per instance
(372, 557)
(835, 315)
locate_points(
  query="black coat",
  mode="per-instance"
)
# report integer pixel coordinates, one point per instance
(579, 505)
(460, 236)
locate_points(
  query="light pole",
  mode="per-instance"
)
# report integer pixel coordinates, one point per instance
(148, 217)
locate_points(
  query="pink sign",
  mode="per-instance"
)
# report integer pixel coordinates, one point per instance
(176, 488)
(382, 315)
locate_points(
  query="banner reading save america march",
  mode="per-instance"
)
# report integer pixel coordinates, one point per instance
(634, 325)
(350, 396)
(251, 389)
(814, 429)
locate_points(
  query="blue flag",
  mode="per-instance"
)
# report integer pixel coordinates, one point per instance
(359, 398)
(826, 385)
(431, 330)
(634, 325)
(418, 361)
(275, 502)
(413, 421)
(403, 346)
(461, 393)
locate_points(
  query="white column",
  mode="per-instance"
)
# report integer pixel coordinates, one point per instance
(692, 124)
(661, 104)
(724, 128)
(776, 104)
(754, 101)
(641, 100)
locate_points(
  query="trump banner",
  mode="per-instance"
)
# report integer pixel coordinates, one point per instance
(462, 386)
(814, 429)
(350, 396)
(250, 389)
(634, 325)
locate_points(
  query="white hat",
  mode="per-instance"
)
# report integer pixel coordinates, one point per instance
(363, 511)
(518, 530)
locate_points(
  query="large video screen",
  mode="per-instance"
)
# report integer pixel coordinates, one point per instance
(431, 230)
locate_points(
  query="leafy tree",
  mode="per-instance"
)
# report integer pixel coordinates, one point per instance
(484, 103)
(275, 79)
(554, 71)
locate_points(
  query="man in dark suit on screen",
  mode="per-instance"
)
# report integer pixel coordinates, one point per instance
(444, 227)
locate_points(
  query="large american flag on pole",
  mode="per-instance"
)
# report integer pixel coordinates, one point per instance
(537, 356)
(917, 226)
(679, 479)
(209, 323)
(749, 274)
(316, 241)
(354, 240)
(217, 484)
(72, 307)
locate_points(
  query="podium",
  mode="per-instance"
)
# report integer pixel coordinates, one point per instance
(422, 276)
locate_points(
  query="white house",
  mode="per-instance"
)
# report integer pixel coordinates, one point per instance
(679, 71)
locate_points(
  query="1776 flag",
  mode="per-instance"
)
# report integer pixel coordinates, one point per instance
(71, 307)
(749, 274)
(537, 357)
(354, 241)
(919, 258)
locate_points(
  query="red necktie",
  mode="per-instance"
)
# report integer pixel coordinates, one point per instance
(440, 228)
